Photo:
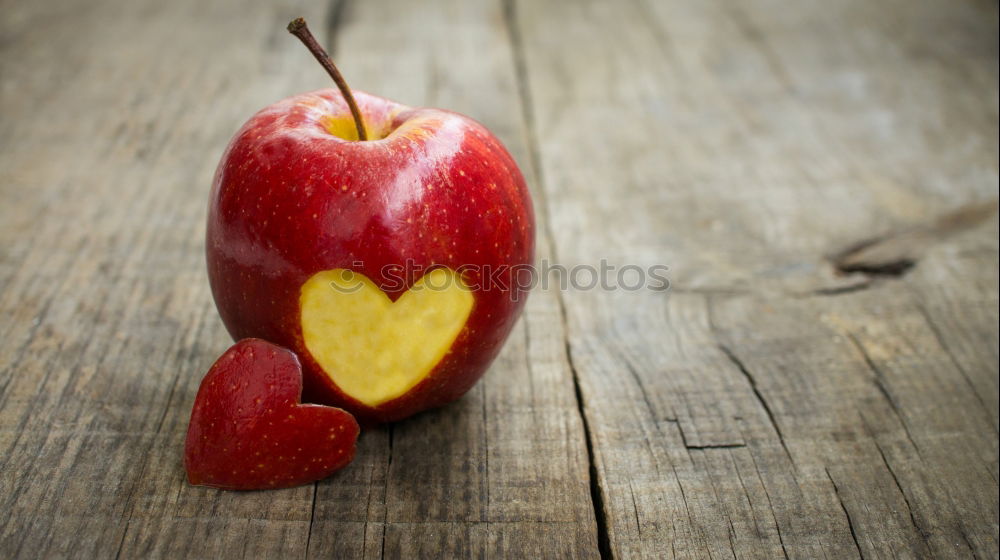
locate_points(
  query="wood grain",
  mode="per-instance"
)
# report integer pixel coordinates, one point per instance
(113, 324)
(820, 379)
(769, 404)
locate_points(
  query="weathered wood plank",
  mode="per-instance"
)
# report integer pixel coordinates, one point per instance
(110, 323)
(768, 405)
(113, 117)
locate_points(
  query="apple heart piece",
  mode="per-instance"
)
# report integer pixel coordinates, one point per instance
(249, 430)
(298, 200)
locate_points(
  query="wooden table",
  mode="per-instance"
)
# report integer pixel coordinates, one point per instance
(820, 379)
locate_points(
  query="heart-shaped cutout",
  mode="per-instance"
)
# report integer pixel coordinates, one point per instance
(249, 430)
(374, 349)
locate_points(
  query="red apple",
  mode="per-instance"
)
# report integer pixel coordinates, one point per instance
(248, 430)
(302, 213)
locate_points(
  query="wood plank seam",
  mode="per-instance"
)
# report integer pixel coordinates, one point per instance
(541, 205)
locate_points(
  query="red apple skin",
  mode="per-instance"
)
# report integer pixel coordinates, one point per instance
(248, 430)
(290, 199)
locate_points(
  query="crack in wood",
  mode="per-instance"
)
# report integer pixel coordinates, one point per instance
(770, 506)
(841, 290)
(895, 253)
(925, 535)
(385, 493)
(486, 457)
(635, 509)
(726, 351)
(638, 381)
(368, 510)
(847, 514)
(878, 379)
(939, 337)
(731, 529)
(684, 441)
(121, 543)
(893, 267)
(715, 445)
(596, 496)
(529, 367)
(21, 351)
(687, 507)
(312, 517)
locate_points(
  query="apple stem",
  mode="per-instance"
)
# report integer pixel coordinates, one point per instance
(299, 28)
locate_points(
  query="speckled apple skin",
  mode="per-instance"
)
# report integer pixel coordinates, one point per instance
(290, 199)
(248, 430)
